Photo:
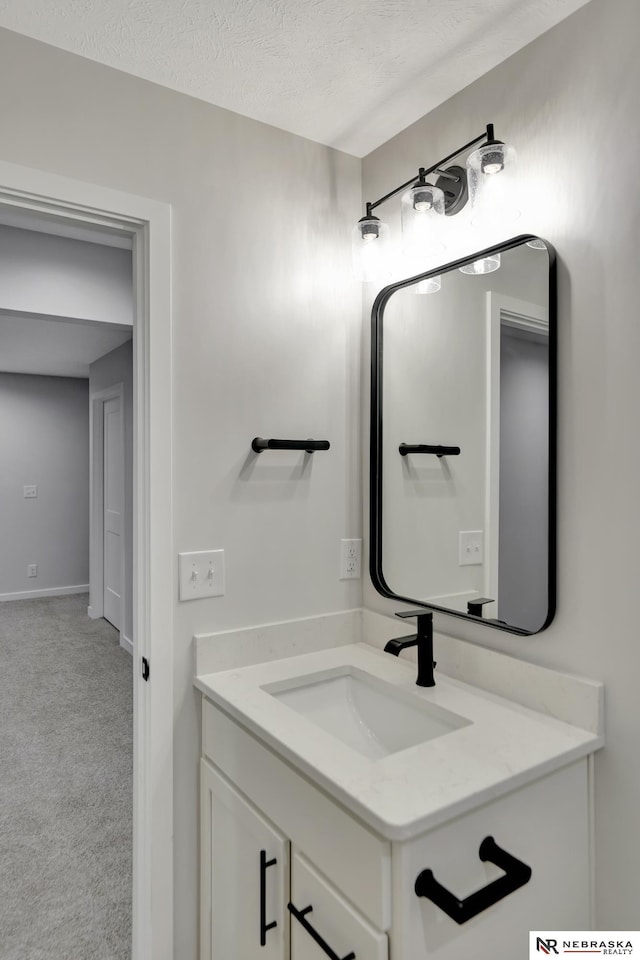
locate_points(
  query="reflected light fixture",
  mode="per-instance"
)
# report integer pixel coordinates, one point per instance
(430, 285)
(483, 265)
(424, 204)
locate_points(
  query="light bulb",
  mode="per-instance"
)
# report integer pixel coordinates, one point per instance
(369, 230)
(492, 161)
(422, 199)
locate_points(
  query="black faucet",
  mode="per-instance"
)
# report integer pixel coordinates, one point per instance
(423, 639)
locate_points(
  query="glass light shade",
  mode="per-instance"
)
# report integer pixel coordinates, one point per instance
(430, 285)
(484, 165)
(484, 265)
(537, 244)
(370, 249)
(491, 158)
(422, 207)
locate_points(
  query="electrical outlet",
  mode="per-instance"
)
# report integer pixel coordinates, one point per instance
(30, 491)
(350, 559)
(201, 574)
(32, 570)
(470, 548)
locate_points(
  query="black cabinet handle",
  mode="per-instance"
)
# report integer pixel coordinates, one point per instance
(516, 875)
(300, 916)
(264, 926)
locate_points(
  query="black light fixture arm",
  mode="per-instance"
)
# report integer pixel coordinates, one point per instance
(423, 172)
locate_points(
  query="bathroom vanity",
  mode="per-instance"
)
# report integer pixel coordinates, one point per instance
(333, 789)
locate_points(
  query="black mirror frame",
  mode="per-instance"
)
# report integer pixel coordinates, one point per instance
(375, 461)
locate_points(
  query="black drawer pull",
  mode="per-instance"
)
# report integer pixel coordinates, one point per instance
(516, 875)
(300, 916)
(264, 926)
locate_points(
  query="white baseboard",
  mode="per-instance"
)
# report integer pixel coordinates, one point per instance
(93, 614)
(51, 592)
(126, 644)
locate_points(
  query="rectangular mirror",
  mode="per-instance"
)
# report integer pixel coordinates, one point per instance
(463, 438)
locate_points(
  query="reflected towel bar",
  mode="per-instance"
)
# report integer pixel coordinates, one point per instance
(436, 449)
(258, 445)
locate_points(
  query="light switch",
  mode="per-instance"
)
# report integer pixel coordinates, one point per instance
(470, 548)
(201, 574)
(30, 491)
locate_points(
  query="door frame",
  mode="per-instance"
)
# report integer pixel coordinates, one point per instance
(95, 610)
(148, 223)
(500, 309)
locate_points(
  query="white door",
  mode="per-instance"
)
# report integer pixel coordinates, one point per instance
(113, 511)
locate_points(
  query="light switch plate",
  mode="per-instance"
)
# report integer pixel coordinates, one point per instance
(471, 548)
(201, 574)
(30, 491)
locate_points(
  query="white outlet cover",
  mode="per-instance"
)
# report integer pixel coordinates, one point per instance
(202, 574)
(30, 491)
(350, 559)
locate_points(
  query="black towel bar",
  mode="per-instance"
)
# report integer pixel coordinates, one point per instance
(516, 875)
(258, 445)
(434, 448)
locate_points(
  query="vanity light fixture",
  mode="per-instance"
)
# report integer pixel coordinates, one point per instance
(423, 203)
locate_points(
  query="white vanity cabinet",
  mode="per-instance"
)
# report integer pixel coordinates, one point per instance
(250, 875)
(275, 848)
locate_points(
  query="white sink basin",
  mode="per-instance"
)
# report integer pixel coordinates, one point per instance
(371, 716)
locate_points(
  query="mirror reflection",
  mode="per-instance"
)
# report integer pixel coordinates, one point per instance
(462, 390)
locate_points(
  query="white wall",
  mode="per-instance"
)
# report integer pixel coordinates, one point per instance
(61, 277)
(117, 367)
(569, 102)
(266, 340)
(44, 438)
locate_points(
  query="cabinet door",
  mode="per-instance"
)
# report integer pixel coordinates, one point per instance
(244, 877)
(546, 826)
(332, 927)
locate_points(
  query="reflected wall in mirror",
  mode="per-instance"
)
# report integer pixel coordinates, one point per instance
(467, 527)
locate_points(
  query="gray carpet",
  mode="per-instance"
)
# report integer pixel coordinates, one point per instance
(65, 784)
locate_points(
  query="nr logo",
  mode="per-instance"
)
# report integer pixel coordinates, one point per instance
(546, 946)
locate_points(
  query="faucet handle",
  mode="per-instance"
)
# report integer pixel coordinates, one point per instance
(474, 607)
(403, 614)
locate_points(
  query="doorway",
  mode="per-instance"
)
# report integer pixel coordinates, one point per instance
(516, 462)
(61, 203)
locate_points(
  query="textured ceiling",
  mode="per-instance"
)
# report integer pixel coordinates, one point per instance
(348, 73)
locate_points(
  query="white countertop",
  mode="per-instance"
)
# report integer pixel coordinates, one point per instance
(505, 745)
